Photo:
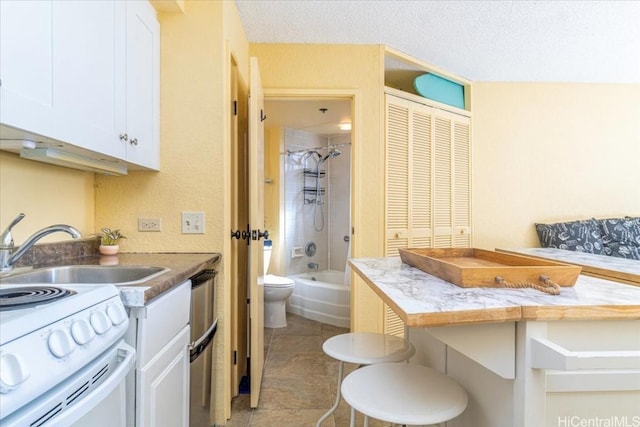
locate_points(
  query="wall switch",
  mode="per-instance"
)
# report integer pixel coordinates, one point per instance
(149, 224)
(192, 222)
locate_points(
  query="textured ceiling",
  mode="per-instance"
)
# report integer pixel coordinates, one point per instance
(550, 41)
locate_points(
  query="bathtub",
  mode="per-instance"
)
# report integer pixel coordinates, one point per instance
(321, 296)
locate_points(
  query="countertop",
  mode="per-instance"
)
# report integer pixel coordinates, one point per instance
(423, 300)
(181, 267)
(607, 267)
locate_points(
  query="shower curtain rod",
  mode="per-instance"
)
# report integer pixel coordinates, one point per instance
(324, 147)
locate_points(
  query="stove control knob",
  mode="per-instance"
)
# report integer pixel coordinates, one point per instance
(100, 322)
(13, 372)
(116, 313)
(60, 343)
(82, 332)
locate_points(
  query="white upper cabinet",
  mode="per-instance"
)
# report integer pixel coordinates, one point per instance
(26, 65)
(88, 74)
(84, 73)
(143, 85)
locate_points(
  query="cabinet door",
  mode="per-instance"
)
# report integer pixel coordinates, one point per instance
(408, 175)
(143, 69)
(88, 70)
(62, 74)
(451, 181)
(26, 66)
(163, 386)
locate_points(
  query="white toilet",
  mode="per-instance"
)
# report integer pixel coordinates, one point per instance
(276, 291)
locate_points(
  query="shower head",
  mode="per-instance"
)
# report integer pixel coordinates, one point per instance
(332, 153)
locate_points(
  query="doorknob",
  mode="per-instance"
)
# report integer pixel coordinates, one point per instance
(242, 235)
(257, 234)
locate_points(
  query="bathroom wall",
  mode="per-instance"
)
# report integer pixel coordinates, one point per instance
(331, 249)
(339, 202)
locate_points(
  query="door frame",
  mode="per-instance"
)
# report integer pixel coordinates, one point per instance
(354, 96)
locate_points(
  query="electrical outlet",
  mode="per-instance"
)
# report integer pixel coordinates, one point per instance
(149, 224)
(192, 222)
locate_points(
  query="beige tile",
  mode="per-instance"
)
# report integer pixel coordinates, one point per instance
(296, 343)
(328, 331)
(298, 325)
(299, 365)
(289, 418)
(310, 392)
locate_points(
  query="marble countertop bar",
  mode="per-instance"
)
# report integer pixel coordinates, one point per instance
(608, 267)
(422, 300)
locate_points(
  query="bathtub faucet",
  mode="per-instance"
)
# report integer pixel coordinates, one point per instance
(313, 266)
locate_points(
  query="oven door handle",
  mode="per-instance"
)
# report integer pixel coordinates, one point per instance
(201, 343)
(127, 356)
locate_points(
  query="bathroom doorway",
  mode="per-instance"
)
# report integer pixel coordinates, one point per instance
(308, 147)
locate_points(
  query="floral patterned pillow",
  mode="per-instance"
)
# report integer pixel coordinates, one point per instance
(621, 237)
(579, 236)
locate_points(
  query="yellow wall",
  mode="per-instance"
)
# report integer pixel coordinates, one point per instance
(298, 66)
(47, 195)
(552, 152)
(359, 69)
(194, 171)
(191, 149)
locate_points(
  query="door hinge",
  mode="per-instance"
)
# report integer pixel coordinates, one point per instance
(235, 357)
(235, 108)
(248, 300)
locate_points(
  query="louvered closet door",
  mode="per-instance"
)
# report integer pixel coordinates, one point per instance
(408, 175)
(408, 184)
(397, 175)
(451, 181)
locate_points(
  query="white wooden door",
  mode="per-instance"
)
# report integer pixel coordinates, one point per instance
(256, 220)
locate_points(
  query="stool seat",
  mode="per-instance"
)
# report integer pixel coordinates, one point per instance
(403, 393)
(364, 348)
(367, 348)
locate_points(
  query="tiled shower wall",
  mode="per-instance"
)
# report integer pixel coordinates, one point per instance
(331, 250)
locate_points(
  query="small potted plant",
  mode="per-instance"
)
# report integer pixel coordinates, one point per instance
(109, 241)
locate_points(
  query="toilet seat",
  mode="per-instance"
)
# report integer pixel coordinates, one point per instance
(278, 281)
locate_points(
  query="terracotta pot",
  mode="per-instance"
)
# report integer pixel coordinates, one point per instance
(109, 249)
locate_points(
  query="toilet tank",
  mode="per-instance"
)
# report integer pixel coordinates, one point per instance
(267, 255)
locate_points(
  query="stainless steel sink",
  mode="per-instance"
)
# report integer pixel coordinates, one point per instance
(78, 274)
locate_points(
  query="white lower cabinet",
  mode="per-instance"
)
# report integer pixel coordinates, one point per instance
(160, 332)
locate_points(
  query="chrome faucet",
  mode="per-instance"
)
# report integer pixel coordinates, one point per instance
(7, 255)
(313, 266)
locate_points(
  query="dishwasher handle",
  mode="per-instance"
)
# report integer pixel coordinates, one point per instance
(202, 277)
(200, 345)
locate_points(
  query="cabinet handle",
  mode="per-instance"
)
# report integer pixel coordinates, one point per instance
(124, 137)
(134, 141)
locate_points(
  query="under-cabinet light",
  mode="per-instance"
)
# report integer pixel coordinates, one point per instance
(16, 144)
(345, 126)
(61, 158)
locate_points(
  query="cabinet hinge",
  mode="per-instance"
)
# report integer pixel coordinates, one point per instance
(235, 357)
(235, 108)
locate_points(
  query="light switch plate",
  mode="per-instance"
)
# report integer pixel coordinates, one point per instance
(192, 222)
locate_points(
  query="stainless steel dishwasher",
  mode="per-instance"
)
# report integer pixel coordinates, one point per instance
(203, 328)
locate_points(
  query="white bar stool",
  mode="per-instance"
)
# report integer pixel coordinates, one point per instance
(403, 393)
(364, 348)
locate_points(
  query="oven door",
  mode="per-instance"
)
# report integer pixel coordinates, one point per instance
(94, 396)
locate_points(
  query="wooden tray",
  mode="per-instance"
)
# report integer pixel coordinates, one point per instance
(470, 267)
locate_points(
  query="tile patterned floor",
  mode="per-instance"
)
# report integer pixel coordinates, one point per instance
(299, 382)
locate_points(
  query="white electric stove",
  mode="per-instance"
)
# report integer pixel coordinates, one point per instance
(59, 345)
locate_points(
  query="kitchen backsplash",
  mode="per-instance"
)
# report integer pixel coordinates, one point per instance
(48, 253)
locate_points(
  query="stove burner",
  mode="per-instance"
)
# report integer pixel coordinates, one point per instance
(26, 296)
